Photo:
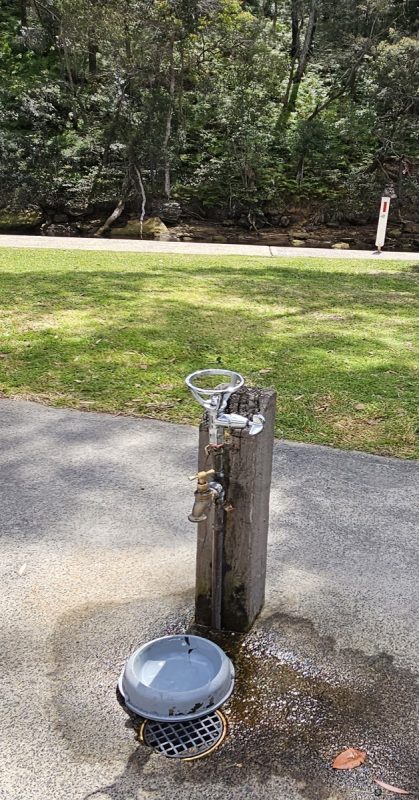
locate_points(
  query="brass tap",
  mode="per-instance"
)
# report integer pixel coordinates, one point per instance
(206, 493)
(202, 485)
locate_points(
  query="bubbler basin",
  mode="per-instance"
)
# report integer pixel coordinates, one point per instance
(176, 678)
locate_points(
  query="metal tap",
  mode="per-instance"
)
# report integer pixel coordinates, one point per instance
(215, 401)
(210, 494)
(206, 493)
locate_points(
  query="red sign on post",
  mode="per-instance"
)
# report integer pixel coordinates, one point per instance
(382, 223)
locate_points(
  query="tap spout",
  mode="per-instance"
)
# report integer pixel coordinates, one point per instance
(202, 504)
(206, 493)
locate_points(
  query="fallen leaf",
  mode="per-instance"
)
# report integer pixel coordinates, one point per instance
(4, 355)
(359, 406)
(299, 397)
(265, 371)
(21, 571)
(143, 366)
(349, 759)
(390, 788)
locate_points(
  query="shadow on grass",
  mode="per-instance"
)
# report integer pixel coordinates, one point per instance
(124, 340)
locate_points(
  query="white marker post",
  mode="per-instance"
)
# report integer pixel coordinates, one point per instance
(382, 223)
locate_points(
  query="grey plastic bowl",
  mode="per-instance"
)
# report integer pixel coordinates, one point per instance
(176, 678)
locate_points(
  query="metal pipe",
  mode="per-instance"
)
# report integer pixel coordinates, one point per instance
(218, 537)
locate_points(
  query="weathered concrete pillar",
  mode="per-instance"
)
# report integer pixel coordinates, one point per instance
(248, 470)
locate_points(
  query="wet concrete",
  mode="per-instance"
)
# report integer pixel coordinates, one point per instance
(297, 703)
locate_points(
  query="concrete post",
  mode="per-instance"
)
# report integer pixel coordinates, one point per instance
(248, 470)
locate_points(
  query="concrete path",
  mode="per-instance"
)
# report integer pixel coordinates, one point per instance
(194, 248)
(97, 555)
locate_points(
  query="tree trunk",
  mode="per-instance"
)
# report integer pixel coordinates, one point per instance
(143, 197)
(92, 42)
(300, 54)
(23, 13)
(116, 213)
(92, 47)
(168, 130)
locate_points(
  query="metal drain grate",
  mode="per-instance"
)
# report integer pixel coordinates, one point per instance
(188, 740)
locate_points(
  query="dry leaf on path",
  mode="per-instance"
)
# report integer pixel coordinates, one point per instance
(390, 788)
(349, 759)
(21, 571)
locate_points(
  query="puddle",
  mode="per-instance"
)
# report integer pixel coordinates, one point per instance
(297, 703)
(288, 716)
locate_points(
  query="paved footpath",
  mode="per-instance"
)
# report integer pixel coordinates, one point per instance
(195, 248)
(97, 555)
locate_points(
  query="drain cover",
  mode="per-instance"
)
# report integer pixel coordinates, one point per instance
(192, 739)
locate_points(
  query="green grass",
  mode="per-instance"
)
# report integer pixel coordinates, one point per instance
(119, 332)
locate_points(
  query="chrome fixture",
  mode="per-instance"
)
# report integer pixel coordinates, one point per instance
(215, 401)
(210, 495)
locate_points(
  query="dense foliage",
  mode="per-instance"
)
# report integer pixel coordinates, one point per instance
(229, 107)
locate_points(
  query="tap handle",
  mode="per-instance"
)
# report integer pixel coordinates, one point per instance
(202, 476)
(256, 425)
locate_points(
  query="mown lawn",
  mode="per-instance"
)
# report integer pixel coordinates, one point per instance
(119, 332)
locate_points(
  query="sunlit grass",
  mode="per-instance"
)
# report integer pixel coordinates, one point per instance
(119, 332)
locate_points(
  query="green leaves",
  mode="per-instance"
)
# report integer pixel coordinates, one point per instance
(222, 71)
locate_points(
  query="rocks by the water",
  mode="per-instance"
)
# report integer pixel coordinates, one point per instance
(341, 246)
(61, 230)
(19, 219)
(150, 229)
(166, 237)
(285, 221)
(411, 227)
(60, 218)
(169, 212)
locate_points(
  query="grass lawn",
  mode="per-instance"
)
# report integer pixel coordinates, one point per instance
(118, 332)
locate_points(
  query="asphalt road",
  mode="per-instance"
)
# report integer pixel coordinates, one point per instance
(97, 555)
